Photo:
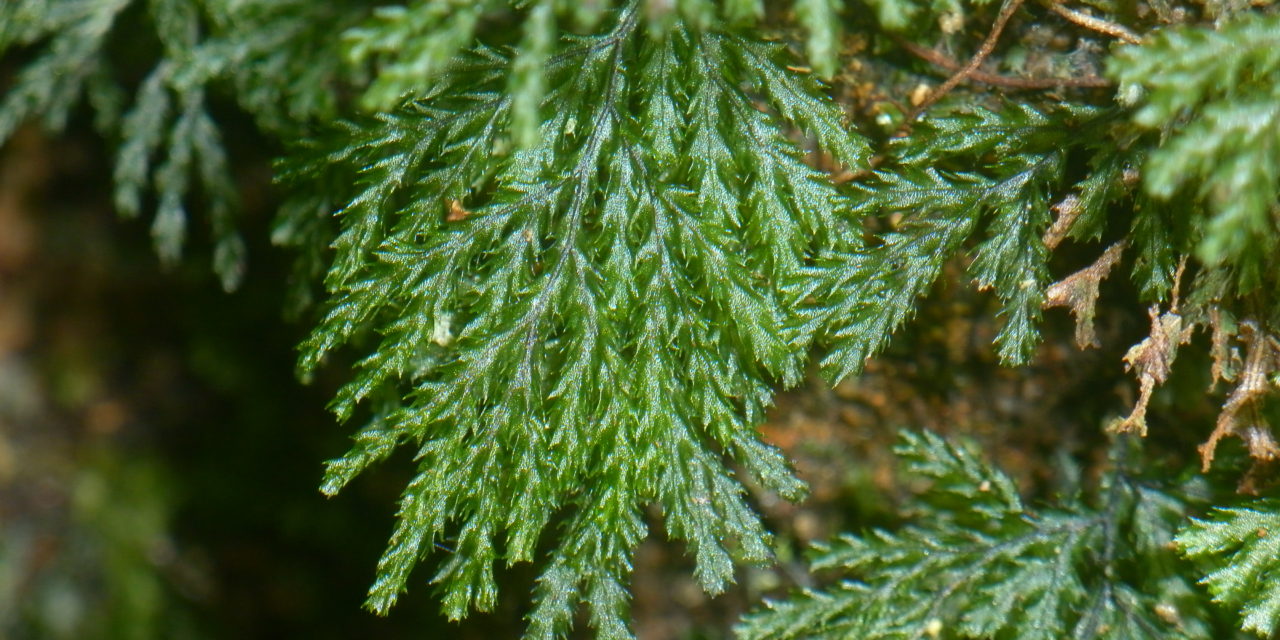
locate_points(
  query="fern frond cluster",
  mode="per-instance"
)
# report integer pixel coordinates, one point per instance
(577, 247)
(1236, 544)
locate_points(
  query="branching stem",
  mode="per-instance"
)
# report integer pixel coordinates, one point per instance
(1006, 12)
(944, 61)
(1094, 23)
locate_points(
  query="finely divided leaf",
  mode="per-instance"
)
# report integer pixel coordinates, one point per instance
(582, 326)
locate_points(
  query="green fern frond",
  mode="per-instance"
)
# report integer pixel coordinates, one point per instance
(866, 296)
(819, 18)
(586, 325)
(980, 564)
(932, 210)
(1239, 549)
(409, 45)
(1216, 96)
(576, 248)
(73, 34)
(169, 143)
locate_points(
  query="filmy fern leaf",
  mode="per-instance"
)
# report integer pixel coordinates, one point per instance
(585, 325)
(984, 565)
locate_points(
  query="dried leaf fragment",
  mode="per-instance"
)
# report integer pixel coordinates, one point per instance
(1068, 210)
(1241, 416)
(1079, 292)
(1151, 360)
(1226, 358)
(456, 213)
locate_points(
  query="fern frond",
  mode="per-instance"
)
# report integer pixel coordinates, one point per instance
(980, 564)
(867, 295)
(1216, 96)
(73, 33)
(1238, 548)
(586, 325)
(408, 45)
(169, 141)
(932, 210)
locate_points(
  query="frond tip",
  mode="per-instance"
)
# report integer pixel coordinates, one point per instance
(1241, 552)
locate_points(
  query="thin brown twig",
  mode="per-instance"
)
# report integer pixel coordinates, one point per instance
(940, 59)
(1006, 12)
(1093, 23)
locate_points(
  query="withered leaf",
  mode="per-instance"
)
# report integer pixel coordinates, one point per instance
(1067, 210)
(1079, 292)
(456, 212)
(1150, 361)
(1241, 416)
